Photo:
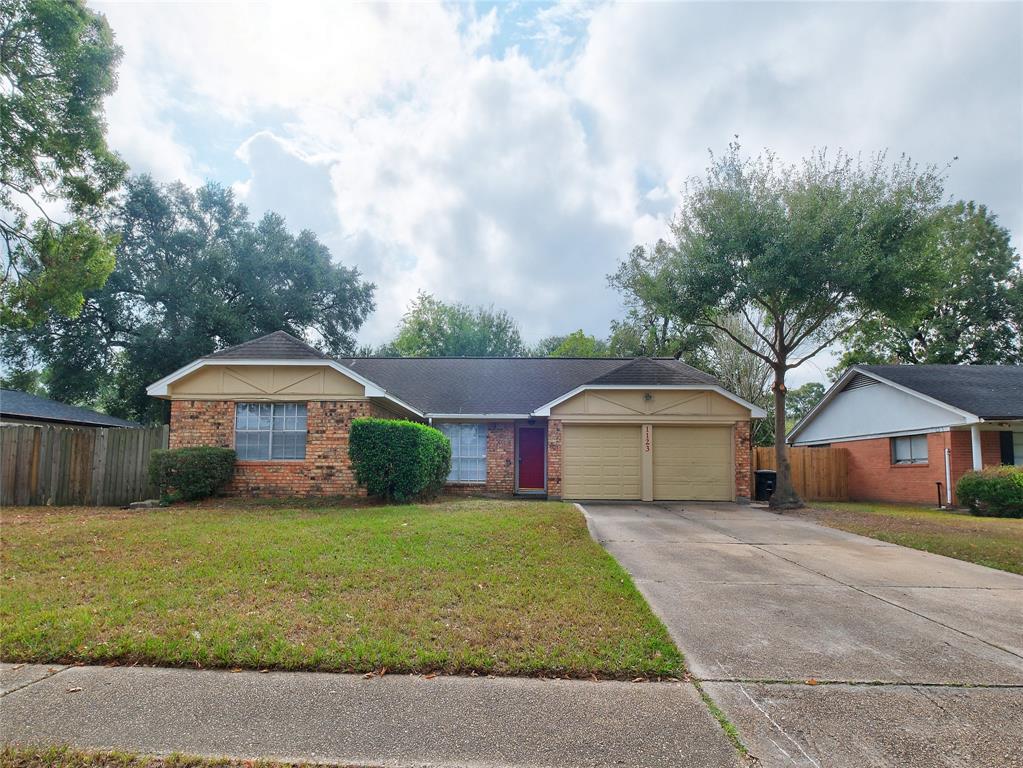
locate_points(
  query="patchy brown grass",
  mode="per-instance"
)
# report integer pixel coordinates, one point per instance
(63, 757)
(467, 586)
(994, 542)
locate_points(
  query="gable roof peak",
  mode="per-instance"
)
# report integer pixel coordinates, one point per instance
(279, 345)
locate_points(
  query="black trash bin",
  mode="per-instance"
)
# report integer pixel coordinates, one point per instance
(766, 480)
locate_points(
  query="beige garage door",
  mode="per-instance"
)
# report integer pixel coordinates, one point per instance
(600, 462)
(693, 463)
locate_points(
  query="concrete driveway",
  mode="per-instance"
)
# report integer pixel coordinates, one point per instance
(912, 659)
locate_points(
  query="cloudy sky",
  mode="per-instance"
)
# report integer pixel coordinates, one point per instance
(511, 154)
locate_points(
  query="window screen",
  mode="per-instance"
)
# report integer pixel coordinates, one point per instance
(468, 452)
(911, 449)
(264, 431)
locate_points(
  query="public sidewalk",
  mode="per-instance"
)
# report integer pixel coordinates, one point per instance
(395, 720)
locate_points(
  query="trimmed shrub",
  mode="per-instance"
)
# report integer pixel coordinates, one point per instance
(186, 474)
(399, 460)
(993, 492)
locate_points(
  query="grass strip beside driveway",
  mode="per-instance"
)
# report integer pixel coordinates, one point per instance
(63, 757)
(991, 541)
(464, 587)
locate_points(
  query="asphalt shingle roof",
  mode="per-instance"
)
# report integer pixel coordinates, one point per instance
(501, 384)
(988, 391)
(484, 385)
(278, 345)
(21, 404)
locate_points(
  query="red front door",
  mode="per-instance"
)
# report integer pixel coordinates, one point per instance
(531, 458)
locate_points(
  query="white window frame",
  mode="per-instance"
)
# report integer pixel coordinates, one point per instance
(300, 419)
(914, 460)
(461, 452)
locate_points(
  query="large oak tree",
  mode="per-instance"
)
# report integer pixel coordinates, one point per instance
(800, 253)
(57, 176)
(194, 274)
(976, 313)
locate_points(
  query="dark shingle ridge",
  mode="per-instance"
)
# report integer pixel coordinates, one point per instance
(647, 370)
(15, 403)
(279, 345)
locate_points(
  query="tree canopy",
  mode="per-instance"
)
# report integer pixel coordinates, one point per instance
(193, 275)
(57, 175)
(976, 313)
(801, 253)
(575, 344)
(433, 328)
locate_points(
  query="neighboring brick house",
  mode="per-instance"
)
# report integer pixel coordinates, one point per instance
(911, 431)
(595, 428)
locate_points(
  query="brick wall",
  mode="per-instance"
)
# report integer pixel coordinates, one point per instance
(501, 457)
(554, 458)
(201, 422)
(743, 462)
(873, 477)
(326, 469)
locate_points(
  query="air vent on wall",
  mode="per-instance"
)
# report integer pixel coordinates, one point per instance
(859, 380)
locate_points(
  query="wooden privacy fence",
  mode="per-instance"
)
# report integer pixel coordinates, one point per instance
(76, 465)
(818, 474)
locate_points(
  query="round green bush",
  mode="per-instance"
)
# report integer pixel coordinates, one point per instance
(399, 460)
(187, 474)
(993, 492)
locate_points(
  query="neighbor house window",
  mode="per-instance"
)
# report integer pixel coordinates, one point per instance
(265, 431)
(911, 449)
(468, 452)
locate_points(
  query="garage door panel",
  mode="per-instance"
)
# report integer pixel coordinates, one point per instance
(600, 462)
(692, 463)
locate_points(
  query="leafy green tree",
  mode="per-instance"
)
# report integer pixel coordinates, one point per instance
(648, 330)
(546, 346)
(976, 314)
(432, 328)
(57, 176)
(802, 253)
(193, 275)
(579, 344)
(801, 400)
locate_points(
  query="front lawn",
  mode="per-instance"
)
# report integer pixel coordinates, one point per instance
(994, 542)
(471, 586)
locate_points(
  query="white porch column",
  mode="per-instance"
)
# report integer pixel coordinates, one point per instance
(978, 461)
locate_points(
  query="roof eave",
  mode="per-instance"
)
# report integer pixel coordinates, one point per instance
(836, 388)
(756, 412)
(160, 388)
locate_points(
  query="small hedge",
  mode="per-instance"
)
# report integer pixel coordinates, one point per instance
(186, 474)
(993, 492)
(399, 460)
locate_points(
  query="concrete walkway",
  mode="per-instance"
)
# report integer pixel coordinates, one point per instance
(918, 658)
(347, 720)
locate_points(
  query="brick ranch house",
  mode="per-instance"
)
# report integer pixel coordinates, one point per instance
(909, 427)
(639, 428)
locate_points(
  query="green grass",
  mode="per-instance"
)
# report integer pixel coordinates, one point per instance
(994, 542)
(473, 586)
(63, 757)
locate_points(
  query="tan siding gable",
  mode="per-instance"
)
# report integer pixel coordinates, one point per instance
(663, 405)
(278, 382)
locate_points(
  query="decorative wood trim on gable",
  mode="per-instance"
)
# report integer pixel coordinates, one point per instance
(269, 382)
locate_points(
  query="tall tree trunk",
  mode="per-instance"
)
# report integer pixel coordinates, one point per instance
(784, 496)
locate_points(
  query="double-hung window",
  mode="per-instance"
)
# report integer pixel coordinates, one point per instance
(269, 431)
(911, 449)
(468, 452)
